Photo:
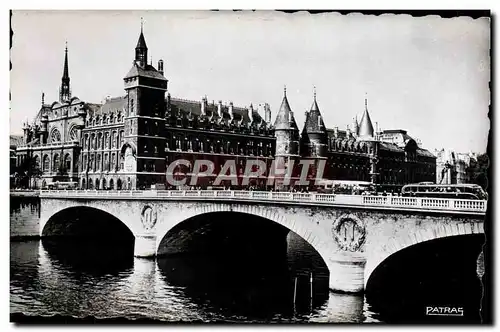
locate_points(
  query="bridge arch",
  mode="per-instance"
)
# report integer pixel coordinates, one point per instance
(66, 220)
(420, 236)
(305, 230)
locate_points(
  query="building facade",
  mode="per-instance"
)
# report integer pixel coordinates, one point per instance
(452, 167)
(135, 141)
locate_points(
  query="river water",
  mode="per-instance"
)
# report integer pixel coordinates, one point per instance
(78, 281)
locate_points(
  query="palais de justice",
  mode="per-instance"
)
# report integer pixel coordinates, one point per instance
(127, 142)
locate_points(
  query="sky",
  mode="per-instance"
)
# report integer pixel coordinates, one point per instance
(427, 75)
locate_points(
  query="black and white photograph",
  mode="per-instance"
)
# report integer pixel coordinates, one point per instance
(249, 166)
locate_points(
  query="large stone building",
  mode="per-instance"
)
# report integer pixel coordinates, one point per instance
(129, 141)
(451, 166)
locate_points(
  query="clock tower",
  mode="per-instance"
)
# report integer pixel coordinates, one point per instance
(143, 151)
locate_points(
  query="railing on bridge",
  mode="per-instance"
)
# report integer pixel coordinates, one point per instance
(414, 203)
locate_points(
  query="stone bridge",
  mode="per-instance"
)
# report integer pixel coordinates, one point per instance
(352, 234)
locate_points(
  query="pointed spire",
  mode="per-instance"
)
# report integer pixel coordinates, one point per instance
(65, 91)
(365, 130)
(314, 121)
(314, 106)
(141, 50)
(66, 70)
(284, 118)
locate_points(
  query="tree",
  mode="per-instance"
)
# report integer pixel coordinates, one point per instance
(27, 170)
(478, 170)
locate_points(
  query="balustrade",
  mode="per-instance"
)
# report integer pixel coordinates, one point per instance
(421, 203)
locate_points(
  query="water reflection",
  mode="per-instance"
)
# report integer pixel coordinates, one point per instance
(83, 279)
(47, 279)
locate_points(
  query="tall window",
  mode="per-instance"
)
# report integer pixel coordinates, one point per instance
(37, 162)
(106, 162)
(131, 106)
(113, 161)
(113, 139)
(98, 166)
(121, 137)
(46, 163)
(67, 162)
(55, 163)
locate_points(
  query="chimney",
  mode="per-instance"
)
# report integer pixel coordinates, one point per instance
(219, 108)
(336, 131)
(348, 131)
(160, 66)
(267, 109)
(231, 110)
(250, 113)
(204, 105)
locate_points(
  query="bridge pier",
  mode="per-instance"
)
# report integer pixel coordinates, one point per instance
(145, 246)
(347, 273)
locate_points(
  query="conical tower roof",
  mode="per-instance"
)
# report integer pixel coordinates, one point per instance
(285, 119)
(365, 126)
(314, 121)
(141, 43)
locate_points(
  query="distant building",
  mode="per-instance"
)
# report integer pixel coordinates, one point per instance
(451, 166)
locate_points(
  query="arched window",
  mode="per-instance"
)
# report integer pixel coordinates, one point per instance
(98, 165)
(104, 184)
(67, 162)
(97, 184)
(73, 134)
(37, 162)
(111, 184)
(55, 136)
(84, 166)
(119, 184)
(91, 185)
(83, 184)
(106, 141)
(131, 106)
(113, 139)
(113, 161)
(55, 163)
(106, 162)
(121, 138)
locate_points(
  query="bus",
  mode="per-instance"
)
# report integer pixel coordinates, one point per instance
(463, 191)
(345, 187)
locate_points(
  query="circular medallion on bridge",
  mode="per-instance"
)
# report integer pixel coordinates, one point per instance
(148, 217)
(349, 232)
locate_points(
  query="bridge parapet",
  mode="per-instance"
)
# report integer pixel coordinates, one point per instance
(360, 201)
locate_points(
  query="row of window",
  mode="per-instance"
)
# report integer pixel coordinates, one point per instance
(104, 119)
(182, 143)
(103, 140)
(119, 184)
(96, 163)
(46, 165)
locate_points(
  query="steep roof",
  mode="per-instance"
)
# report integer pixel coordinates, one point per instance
(141, 43)
(211, 110)
(314, 121)
(285, 119)
(365, 126)
(147, 71)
